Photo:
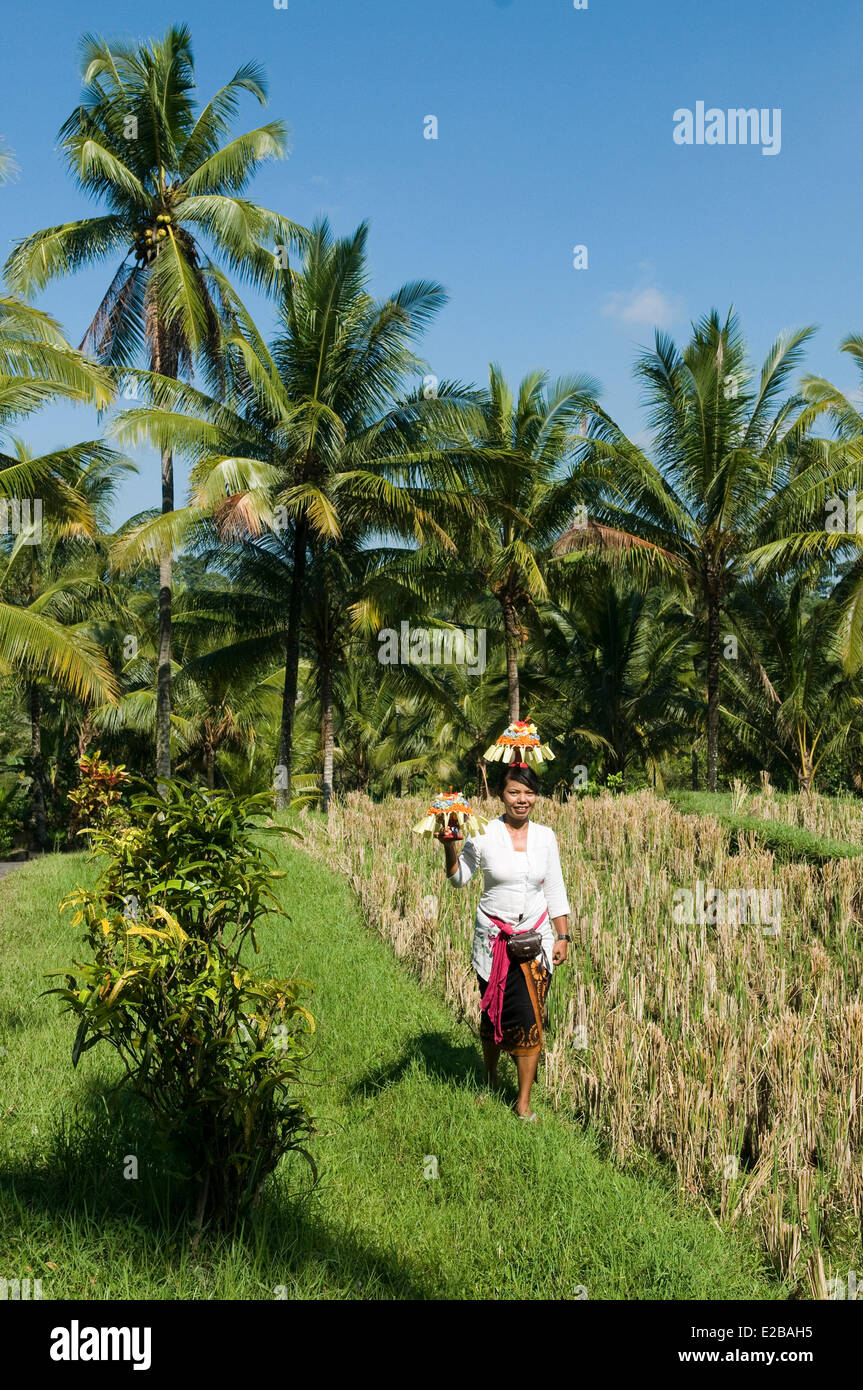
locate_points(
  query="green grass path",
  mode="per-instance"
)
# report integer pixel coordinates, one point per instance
(516, 1211)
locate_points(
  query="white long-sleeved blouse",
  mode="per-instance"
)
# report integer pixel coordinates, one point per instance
(518, 886)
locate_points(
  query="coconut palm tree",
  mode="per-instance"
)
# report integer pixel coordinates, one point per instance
(727, 445)
(334, 576)
(822, 516)
(220, 706)
(515, 460)
(338, 653)
(789, 702)
(8, 167)
(623, 655)
(37, 365)
(314, 437)
(341, 360)
(55, 579)
(433, 723)
(171, 179)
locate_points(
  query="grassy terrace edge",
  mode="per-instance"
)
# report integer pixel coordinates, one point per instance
(787, 842)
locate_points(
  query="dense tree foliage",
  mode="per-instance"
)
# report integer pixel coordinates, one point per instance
(374, 571)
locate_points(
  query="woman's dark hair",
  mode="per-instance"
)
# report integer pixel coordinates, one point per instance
(525, 775)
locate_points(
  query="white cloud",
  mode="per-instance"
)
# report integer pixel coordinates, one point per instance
(648, 306)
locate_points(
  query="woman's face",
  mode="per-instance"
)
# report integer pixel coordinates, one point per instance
(518, 800)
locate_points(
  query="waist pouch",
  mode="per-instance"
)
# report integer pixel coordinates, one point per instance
(524, 945)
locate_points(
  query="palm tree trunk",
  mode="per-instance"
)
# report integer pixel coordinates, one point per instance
(163, 689)
(38, 830)
(512, 639)
(292, 660)
(85, 735)
(164, 358)
(712, 688)
(805, 771)
(210, 757)
(327, 731)
(482, 781)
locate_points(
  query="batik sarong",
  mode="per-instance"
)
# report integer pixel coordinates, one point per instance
(523, 1012)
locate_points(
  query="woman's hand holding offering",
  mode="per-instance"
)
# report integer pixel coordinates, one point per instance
(449, 842)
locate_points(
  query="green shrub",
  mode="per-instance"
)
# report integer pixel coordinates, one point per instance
(96, 799)
(213, 1048)
(613, 783)
(13, 809)
(589, 788)
(8, 831)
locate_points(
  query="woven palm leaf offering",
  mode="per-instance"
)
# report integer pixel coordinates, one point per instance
(451, 813)
(519, 743)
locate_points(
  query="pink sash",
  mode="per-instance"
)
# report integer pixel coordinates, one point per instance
(493, 997)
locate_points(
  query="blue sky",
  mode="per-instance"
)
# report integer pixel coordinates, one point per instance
(555, 129)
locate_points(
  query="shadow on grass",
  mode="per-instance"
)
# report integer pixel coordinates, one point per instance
(13, 1020)
(80, 1182)
(441, 1059)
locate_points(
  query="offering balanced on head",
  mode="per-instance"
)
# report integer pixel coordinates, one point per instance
(519, 743)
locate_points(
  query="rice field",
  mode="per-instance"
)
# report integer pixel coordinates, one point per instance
(838, 818)
(709, 1012)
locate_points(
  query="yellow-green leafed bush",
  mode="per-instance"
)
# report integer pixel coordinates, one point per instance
(214, 1049)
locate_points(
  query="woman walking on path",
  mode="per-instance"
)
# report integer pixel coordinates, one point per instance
(523, 890)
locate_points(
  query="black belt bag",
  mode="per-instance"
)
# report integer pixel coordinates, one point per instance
(525, 945)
